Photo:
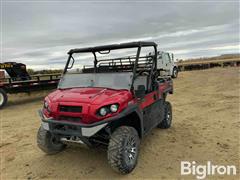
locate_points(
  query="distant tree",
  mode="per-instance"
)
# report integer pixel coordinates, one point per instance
(44, 71)
(30, 71)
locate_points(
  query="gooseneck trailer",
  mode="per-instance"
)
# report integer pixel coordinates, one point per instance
(19, 81)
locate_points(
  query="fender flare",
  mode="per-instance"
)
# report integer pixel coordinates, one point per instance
(137, 111)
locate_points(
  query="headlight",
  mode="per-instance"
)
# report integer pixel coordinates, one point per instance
(114, 108)
(103, 111)
(111, 108)
(46, 106)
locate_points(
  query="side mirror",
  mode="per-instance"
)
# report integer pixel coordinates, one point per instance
(140, 92)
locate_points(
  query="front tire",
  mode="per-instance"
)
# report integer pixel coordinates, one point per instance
(48, 143)
(123, 149)
(3, 98)
(167, 120)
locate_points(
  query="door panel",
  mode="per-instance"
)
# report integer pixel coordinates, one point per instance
(148, 99)
(152, 113)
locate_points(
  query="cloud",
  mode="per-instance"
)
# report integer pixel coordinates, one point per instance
(233, 47)
(41, 33)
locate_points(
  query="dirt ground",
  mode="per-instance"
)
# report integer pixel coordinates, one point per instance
(205, 128)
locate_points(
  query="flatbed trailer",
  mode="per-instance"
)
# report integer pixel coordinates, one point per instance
(36, 83)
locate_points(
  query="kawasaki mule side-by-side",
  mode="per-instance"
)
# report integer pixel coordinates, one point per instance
(113, 102)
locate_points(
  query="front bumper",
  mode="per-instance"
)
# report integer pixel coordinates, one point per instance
(79, 129)
(70, 128)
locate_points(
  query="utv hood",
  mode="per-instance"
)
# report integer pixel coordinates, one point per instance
(89, 95)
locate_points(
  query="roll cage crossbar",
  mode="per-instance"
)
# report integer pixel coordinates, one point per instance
(133, 64)
(113, 47)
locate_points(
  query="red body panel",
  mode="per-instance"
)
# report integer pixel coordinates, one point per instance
(155, 95)
(148, 99)
(92, 99)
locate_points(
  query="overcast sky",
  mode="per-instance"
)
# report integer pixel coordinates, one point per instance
(40, 33)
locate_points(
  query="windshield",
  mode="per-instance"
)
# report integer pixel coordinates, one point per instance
(106, 80)
(110, 68)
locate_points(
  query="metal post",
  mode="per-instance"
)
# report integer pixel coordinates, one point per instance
(95, 62)
(135, 66)
(69, 58)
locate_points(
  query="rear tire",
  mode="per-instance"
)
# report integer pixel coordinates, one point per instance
(167, 120)
(3, 98)
(175, 72)
(123, 149)
(48, 143)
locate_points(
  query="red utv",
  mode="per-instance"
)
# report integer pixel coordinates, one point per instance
(114, 102)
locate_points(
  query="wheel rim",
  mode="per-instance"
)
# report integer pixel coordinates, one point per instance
(1, 98)
(131, 150)
(168, 117)
(175, 73)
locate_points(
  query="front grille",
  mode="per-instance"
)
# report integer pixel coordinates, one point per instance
(77, 109)
(69, 118)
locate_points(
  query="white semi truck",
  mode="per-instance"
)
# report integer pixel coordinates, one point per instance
(166, 64)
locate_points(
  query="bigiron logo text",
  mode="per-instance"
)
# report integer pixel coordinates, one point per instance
(202, 171)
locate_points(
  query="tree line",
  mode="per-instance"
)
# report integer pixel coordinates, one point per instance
(45, 71)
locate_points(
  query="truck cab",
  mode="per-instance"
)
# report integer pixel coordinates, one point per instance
(166, 65)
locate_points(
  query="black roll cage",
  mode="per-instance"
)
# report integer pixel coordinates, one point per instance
(108, 48)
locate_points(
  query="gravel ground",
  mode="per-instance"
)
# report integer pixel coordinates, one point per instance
(205, 128)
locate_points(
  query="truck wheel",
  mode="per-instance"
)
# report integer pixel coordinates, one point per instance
(3, 98)
(167, 120)
(175, 72)
(48, 143)
(123, 149)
